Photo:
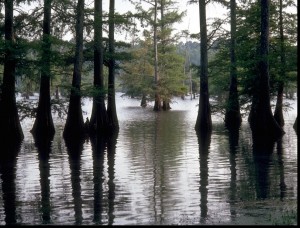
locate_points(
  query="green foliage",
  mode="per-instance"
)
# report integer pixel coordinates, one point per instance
(247, 50)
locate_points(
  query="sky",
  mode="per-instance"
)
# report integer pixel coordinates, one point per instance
(190, 21)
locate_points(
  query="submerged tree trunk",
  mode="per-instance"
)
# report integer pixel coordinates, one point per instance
(166, 105)
(233, 116)
(278, 114)
(99, 118)
(10, 126)
(264, 127)
(157, 99)
(74, 126)
(113, 123)
(203, 122)
(144, 101)
(43, 125)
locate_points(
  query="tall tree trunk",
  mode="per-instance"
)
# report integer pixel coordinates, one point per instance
(278, 114)
(203, 122)
(10, 126)
(157, 101)
(43, 125)
(112, 117)
(233, 116)
(99, 118)
(166, 102)
(264, 127)
(74, 126)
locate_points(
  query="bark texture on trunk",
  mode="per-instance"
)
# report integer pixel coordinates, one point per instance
(278, 114)
(74, 127)
(113, 123)
(98, 122)
(264, 127)
(43, 125)
(10, 126)
(233, 117)
(157, 99)
(203, 122)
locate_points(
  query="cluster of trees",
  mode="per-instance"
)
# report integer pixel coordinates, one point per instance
(250, 55)
(248, 64)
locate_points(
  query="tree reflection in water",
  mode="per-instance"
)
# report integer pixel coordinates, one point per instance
(8, 155)
(44, 149)
(204, 140)
(261, 159)
(98, 148)
(111, 151)
(233, 138)
(74, 149)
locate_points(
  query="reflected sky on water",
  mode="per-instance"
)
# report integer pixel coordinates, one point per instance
(156, 170)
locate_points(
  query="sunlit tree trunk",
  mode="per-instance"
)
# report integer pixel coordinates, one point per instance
(157, 101)
(10, 126)
(233, 116)
(113, 123)
(74, 126)
(203, 122)
(99, 118)
(166, 102)
(278, 114)
(264, 127)
(43, 125)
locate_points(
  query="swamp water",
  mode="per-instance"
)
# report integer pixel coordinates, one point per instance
(154, 172)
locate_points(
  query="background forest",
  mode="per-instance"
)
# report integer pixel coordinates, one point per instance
(61, 49)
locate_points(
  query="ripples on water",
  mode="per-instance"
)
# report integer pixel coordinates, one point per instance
(155, 172)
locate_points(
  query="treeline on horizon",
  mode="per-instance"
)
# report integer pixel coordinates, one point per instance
(247, 65)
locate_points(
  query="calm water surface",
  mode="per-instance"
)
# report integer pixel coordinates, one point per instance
(155, 171)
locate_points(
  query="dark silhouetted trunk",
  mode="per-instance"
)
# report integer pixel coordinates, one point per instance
(43, 125)
(10, 126)
(233, 116)
(113, 123)
(295, 125)
(278, 113)
(144, 101)
(74, 125)
(264, 127)
(99, 118)
(203, 122)
(157, 99)
(166, 105)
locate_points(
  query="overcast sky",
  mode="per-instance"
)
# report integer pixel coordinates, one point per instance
(190, 21)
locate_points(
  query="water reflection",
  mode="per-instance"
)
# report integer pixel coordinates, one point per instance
(74, 149)
(204, 140)
(282, 184)
(44, 149)
(155, 171)
(233, 138)
(8, 158)
(262, 159)
(98, 147)
(111, 151)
